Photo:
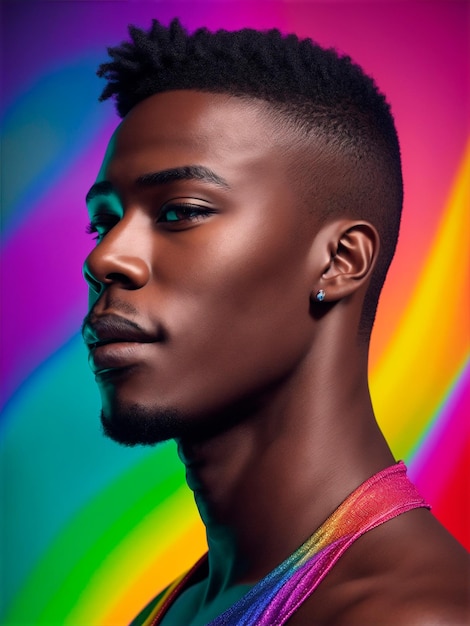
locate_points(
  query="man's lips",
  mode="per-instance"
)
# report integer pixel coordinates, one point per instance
(115, 329)
(113, 341)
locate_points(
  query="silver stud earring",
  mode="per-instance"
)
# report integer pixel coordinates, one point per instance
(320, 295)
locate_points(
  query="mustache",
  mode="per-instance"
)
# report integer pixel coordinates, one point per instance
(109, 328)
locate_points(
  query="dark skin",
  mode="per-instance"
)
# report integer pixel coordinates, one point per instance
(267, 388)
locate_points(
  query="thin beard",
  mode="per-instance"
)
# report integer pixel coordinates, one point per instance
(138, 425)
(116, 305)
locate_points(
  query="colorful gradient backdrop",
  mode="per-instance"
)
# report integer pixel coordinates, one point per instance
(91, 531)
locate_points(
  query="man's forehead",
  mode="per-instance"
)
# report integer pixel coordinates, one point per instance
(183, 125)
(185, 116)
(110, 149)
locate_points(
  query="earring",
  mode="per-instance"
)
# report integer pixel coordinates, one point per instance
(320, 295)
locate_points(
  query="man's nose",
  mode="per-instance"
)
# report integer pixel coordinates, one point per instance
(119, 259)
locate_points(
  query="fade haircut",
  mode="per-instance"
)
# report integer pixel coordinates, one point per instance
(321, 94)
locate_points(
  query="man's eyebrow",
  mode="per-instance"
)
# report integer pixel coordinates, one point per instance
(103, 188)
(164, 177)
(188, 172)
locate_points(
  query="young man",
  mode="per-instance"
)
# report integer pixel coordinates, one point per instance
(246, 213)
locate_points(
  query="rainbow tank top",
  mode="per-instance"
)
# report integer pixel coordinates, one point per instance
(278, 595)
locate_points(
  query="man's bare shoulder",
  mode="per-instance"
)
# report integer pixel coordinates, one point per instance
(419, 601)
(409, 572)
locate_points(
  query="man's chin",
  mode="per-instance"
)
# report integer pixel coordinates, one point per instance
(138, 425)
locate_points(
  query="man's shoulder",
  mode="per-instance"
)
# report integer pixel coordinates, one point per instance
(411, 606)
(412, 599)
(409, 571)
(420, 600)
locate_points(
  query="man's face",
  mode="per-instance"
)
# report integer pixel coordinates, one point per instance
(199, 282)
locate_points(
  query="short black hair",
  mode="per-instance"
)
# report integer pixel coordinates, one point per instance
(322, 93)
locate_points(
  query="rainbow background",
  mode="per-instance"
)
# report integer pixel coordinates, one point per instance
(90, 531)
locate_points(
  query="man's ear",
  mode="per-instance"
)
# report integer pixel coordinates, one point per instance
(347, 253)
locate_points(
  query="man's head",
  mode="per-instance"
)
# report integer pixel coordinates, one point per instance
(249, 172)
(325, 97)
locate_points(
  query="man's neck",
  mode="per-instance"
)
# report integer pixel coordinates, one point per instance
(266, 484)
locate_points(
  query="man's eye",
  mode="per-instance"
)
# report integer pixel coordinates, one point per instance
(101, 224)
(183, 212)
